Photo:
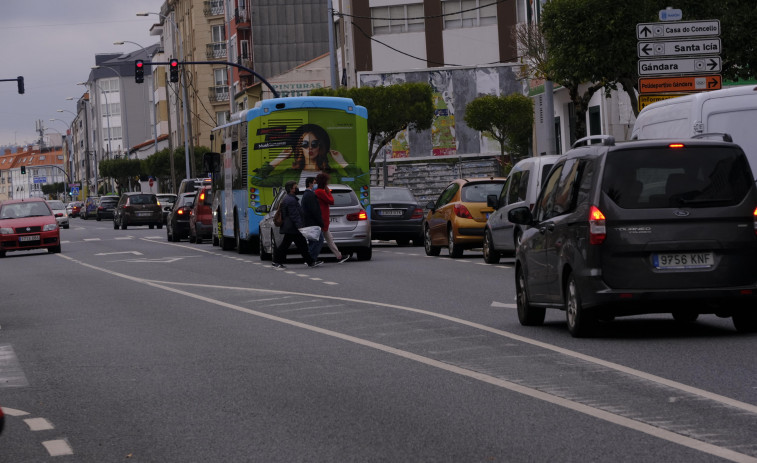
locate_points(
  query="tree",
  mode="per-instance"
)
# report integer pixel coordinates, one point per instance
(120, 170)
(391, 109)
(508, 119)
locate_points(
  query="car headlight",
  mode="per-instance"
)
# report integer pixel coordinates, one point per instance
(6, 231)
(50, 227)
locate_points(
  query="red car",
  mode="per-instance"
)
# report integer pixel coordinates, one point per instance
(201, 217)
(27, 224)
(74, 208)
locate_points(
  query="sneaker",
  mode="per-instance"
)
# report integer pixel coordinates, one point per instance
(278, 265)
(317, 263)
(344, 258)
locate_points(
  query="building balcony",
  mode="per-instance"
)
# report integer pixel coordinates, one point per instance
(218, 94)
(242, 18)
(246, 62)
(213, 8)
(216, 50)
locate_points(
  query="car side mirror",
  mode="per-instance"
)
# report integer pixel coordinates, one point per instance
(520, 215)
(492, 201)
(431, 206)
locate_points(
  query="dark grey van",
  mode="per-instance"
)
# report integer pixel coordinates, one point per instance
(658, 226)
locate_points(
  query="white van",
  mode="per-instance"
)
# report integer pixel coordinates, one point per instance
(731, 110)
(521, 189)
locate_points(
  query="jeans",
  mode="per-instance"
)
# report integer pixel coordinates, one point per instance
(314, 247)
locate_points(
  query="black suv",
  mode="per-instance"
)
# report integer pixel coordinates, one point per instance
(655, 226)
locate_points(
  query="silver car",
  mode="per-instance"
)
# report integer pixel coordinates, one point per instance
(59, 211)
(349, 225)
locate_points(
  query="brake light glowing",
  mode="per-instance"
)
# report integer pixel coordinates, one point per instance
(356, 216)
(755, 221)
(462, 212)
(597, 230)
(202, 196)
(180, 212)
(676, 145)
(417, 213)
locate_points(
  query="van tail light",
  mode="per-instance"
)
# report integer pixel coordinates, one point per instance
(597, 230)
(462, 212)
(755, 221)
(356, 216)
(418, 213)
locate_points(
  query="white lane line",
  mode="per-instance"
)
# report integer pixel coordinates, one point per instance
(38, 424)
(57, 448)
(536, 394)
(91, 239)
(502, 304)
(14, 412)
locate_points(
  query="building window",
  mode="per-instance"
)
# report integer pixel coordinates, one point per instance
(468, 13)
(112, 109)
(221, 77)
(222, 117)
(397, 19)
(115, 133)
(107, 85)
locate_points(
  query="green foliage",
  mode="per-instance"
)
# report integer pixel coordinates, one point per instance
(508, 119)
(53, 189)
(391, 109)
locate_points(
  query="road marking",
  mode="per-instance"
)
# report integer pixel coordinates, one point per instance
(610, 417)
(58, 448)
(136, 253)
(91, 239)
(11, 374)
(38, 424)
(502, 304)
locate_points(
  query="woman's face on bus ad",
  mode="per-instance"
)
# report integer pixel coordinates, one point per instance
(311, 146)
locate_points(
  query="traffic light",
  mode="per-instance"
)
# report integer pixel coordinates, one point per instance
(20, 81)
(174, 64)
(23, 170)
(139, 71)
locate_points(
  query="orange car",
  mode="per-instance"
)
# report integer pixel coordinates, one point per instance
(457, 219)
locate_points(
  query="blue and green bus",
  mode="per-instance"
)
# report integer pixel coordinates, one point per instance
(279, 140)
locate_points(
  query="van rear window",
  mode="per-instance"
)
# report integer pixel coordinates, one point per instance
(696, 176)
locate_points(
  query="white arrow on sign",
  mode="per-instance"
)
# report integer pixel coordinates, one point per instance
(649, 67)
(679, 48)
(136, 253)
(646, 31)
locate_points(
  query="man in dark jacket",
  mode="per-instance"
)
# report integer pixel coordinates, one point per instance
(311, 214)
(293, 221)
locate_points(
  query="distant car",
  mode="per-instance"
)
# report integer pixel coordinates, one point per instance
(657, 226)
(106, 207)
(166, 201)
(521, 189)
(396, 215)
(177, 226)
(349, 225)
(201, 216)
(74, 208)
(189, 185)
(137, 209)
(89, 209)
(59, 211)
(28, 224)
(457, 219)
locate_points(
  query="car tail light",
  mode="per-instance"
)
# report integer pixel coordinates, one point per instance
(597, 230)
(202, 196)
(462, 212)
(676, 145)
(356, 216)
(100, 208)
(127, 208)
(417, 213)
(755, 221)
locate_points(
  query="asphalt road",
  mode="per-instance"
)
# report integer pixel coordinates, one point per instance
(128, 347)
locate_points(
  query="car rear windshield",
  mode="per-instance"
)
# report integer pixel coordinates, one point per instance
(56, 204)
(691, 176)
(478, 191)
(143, 199)
(379, 195)
(344, 198)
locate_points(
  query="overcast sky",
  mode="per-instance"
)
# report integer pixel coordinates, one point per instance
(52, 44)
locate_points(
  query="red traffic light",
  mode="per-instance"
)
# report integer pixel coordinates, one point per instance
(139, 71)
(140, 64)
(174, 67)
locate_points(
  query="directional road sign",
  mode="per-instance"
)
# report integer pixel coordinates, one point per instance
(679, 84)
(679, 48)
(646, 100)
(649, 67)
(649, 31)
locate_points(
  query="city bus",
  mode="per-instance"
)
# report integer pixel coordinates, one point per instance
(279, 140)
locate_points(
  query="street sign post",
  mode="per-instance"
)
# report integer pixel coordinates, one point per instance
(679, 48)
(679, 65)
(679, 84)
(650, 31)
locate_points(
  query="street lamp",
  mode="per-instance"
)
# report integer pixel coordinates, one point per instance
(183, 87)
(122, 98)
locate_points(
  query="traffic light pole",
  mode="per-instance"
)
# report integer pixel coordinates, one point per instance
(19, 80)
(273, 90)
